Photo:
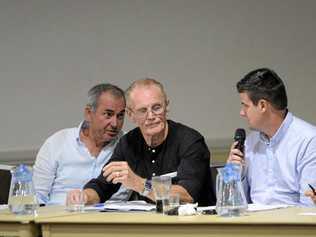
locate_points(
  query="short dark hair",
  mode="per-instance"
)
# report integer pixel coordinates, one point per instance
(264, 83)
(95, 92)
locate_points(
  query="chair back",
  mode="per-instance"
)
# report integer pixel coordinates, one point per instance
(5, 182)
(213, 168)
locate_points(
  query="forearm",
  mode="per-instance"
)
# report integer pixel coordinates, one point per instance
(184, 196)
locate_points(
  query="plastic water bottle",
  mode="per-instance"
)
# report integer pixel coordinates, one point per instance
(22, 199)
(231, 200)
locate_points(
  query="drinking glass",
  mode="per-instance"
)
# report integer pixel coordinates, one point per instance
(78, 204)
(170, 206)
(161, 187)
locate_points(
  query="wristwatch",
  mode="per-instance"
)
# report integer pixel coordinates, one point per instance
(147, 188)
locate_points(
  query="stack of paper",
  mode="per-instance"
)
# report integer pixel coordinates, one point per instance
(122, 206)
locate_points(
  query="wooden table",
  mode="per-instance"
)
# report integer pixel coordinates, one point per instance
(17, 225)
(281, 222)
(24, 225)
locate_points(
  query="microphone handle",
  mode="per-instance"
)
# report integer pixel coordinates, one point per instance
(240, 146)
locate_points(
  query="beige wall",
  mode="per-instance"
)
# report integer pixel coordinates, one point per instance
(51, 52)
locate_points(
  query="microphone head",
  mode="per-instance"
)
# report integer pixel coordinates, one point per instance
(240, 135)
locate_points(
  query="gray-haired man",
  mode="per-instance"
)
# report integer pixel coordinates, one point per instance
(71, 157)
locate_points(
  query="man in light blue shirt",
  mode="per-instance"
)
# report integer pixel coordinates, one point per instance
(280, 153)
(71, 157)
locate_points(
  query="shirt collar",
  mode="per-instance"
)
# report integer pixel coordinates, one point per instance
(84, 125)
(280, 132)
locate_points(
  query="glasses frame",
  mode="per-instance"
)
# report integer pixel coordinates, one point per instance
(143, 115)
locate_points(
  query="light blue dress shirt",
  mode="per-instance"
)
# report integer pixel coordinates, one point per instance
(279, 169)
(64, 163)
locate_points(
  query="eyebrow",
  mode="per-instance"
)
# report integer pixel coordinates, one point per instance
(109, 110)
(112, 111)
(154, 104)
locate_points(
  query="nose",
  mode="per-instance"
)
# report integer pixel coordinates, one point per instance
(242, 113)
(150, 114)
(114, 121)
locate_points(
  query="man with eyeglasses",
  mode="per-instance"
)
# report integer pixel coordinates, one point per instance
(156, 147)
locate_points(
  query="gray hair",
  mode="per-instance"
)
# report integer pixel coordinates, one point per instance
(146, 83)
(95, 92)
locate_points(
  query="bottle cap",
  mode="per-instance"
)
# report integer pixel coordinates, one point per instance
(231, 172)
(22, 173)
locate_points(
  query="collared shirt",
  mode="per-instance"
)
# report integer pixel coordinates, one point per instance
(64, 163)
(183, 154)
(279, 169)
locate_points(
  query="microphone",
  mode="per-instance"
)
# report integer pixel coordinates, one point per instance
(240, 136)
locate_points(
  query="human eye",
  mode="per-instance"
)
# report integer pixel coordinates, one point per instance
(108, 114)
(157, 107)
(121, 115)
(142, 111)
(244, 105)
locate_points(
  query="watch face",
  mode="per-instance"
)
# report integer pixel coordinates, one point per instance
(148, 184)
(147, 187)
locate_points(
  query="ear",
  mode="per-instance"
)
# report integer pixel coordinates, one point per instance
(130, 114)
(167, 106)
(87, 113)
(263, 105)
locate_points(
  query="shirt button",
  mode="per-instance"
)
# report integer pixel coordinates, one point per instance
(153, 161)
(154, 174)
(153, 151)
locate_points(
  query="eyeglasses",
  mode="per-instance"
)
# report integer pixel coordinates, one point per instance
(156, 109)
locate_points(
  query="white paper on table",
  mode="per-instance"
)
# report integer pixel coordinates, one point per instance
(172, 174)
(122, 206)
(261, 207)
(3, 206)
(200, 209)
(251, 207)
(307, 214)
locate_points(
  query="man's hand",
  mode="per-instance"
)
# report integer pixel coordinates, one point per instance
(89, 196)
(120, 172)
(76, 196)
(235, 155)
(311, 195)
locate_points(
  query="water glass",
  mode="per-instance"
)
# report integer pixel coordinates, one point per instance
(78, 204)
(171, 205)
(161, 186)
